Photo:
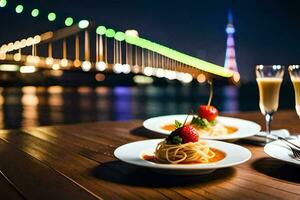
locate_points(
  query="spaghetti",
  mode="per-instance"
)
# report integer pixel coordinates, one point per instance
(192, 152)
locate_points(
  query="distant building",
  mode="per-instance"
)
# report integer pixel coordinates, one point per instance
(230, 59)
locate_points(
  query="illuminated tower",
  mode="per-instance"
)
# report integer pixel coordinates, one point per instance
(230, 61)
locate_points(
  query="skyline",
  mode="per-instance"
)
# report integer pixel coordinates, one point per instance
(210, 46)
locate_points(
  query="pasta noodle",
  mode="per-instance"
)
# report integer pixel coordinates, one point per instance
(192, 152)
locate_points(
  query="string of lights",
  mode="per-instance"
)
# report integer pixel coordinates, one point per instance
(157, 54)
(35, 12)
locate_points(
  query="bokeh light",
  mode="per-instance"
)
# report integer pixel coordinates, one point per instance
(100, 77)
(69, 21)
(3, 3)
(101, 30)
(51, 16)
(19, 8)
(83, 24)
(35, 12)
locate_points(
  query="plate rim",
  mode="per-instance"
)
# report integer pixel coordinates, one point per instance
(269, 154)
(227, 137)
(179, 167)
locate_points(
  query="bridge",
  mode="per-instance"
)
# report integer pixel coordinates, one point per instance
(87, 46)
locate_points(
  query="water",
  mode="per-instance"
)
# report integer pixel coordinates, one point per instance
(33, 106)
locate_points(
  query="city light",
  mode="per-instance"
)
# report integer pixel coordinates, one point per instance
(110, 33)
(160, 73)
(37, 39)
(77, 63)
(139, 79)
(83, 24)
(169, 74)
(9, 67)
(136, 69)
(10, 46)
(17, 57)
(64, 62)
(187, 78)
(19, 8)
(117, 68)
(17, 45)
(100, 77)
(35, 12)
(55, 66)
(148, 71)
(69, 21)
(49, 61)
(120, 36)
(29, 41)
(23, 43)
(32, 60)
(2, 56)
(101, 30)
(3, 3)
(132, 33)
(51, 16)
(201, 78)
(236, 77)
(4, 48)
(86, 66)
(101, 66)
(27, 69)
(126, 69)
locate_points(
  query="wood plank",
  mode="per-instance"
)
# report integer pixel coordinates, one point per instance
(34, 179)
(7, 191)
(77, 168)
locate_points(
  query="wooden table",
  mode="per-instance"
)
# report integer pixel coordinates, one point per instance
(77, 162)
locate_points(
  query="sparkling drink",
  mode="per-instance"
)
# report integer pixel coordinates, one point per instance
(269, 78)
(296, 83)
(268, 94)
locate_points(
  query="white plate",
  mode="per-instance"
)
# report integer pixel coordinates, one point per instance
(245, 128)
(132, 153)
(280, 151)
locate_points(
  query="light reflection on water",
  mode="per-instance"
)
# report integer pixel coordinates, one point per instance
(34, 106)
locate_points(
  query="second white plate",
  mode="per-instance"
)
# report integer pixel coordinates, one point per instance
(245, 128)
(280, 151)
(132, 153)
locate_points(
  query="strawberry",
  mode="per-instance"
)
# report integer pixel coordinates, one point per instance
(208, 112)
(183, 135)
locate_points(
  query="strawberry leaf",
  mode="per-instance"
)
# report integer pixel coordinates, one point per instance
(200, 122)
(213, 122)
(176, 140)
(177, 124)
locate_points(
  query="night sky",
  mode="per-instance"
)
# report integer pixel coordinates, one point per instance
(267, 32)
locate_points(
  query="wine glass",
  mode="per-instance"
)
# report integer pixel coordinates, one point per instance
(269, 78)
(294, 71)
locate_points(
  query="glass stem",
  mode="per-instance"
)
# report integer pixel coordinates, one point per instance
(269, 118)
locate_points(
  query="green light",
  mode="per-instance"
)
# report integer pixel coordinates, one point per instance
(19, 8)
(83, 24)
(69, 21)
(101, 30)
(131, 39)
(120, 36)
(178, 56)
(35, 12)
(110, 33)
(51, 16)
(3, 3)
